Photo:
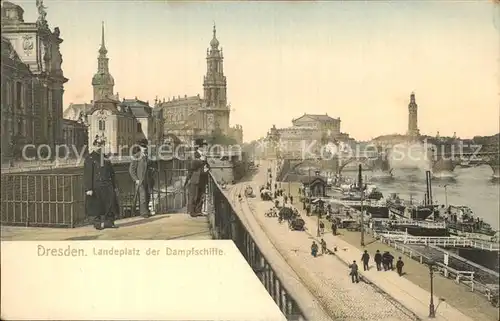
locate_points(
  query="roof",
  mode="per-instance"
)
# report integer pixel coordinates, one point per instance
(73, 111)
(320, 118)
(181, 101)
(139, 108)
(312, 180)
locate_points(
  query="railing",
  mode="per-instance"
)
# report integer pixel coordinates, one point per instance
(225, 224)
(443, 241)
(472, 279)
(429, 225)
(58, 200)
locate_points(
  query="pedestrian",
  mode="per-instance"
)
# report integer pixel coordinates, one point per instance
(197, 179)
(399, 266)
(321, 227)
(365, 258)
(334, 228)
(378, 260)
(385, 260)
(354, 272)
(314, 249)
(391, 261)
(323, 246)
(101, 200)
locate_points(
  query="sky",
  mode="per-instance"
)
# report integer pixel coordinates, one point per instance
(355, 60)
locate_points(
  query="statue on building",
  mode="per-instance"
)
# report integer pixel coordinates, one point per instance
(41, 13)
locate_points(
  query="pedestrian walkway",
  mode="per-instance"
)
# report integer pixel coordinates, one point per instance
(325, 276)
(158, 227)
(327, 269)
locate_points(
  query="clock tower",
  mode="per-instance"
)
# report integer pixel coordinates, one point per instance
(102, 81)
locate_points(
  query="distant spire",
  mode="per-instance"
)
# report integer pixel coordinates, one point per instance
(103, 49)
(214, 43)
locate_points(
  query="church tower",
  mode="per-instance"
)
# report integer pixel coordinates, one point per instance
(413, 117)
(102, 81)
(215, 90)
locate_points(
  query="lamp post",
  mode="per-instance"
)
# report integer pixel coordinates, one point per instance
(318, 234)
(432, 310)
(310, 191)
(362, 220)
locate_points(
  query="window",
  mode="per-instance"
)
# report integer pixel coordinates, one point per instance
(139, 128)
(19, 95)
(102, 125)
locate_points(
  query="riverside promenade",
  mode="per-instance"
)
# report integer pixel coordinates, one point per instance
(380, 296)
(177, 226)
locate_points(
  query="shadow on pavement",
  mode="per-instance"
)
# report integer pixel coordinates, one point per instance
(187, 235)
(83, 238)
(142, 221)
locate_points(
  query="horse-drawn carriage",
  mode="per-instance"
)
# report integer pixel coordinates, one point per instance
(265, 194)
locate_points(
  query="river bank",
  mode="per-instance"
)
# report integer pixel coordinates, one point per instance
(470, 303)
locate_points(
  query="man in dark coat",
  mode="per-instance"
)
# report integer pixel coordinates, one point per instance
(197, 179)
(101, 200)
(378, 260)
(141, 172)
(365, 258)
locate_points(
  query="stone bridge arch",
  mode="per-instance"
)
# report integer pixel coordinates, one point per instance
(367, 162)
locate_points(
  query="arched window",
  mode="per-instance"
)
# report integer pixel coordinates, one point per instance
(139, 127)
(102, 125)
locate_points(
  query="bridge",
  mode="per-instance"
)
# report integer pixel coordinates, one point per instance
(377, 161)
(302, 287)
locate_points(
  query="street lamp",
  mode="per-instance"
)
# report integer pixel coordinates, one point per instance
(318, 234)
(432, 310)
(362, 220)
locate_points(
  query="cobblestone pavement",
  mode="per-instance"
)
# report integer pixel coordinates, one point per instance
(157, 227)
(472, 304)
(326, 276)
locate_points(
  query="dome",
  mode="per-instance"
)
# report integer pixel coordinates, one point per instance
(214, 43)
(101, 79)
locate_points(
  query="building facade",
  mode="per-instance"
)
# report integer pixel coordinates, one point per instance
(115, 124)
(32, 81)
(143, 114)
(193, 116)
(310, 132)
(323, 123)
(236, 132)
(75, 137)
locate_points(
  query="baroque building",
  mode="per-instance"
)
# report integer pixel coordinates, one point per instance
(189, 117)
(309, 130)
(115, 124)
(32, 82)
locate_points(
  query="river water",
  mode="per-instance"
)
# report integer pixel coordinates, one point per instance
(472, 187)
